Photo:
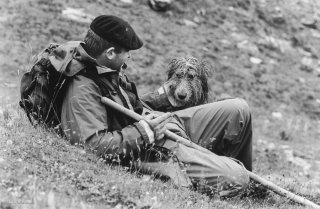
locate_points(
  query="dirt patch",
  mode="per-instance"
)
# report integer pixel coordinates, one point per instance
(229, 35)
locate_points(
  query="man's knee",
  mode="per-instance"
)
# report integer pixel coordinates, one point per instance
(235, 106)
(235, 173)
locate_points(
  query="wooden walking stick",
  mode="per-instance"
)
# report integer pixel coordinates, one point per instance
(282, 192)
(108, 102)
(179, 139)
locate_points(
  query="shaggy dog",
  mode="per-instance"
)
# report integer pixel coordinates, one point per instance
(187, 82)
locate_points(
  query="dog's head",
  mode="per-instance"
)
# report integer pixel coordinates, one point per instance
(187, 81)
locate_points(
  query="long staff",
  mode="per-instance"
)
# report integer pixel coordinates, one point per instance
(172, 136)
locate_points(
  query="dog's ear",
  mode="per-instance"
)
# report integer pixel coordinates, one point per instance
(170, 73)
(205, 72)
(206, 69)
(172, 66)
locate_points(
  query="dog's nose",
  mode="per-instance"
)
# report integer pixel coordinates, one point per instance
(182, 95)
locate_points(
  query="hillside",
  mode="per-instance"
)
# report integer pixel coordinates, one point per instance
(264, 51)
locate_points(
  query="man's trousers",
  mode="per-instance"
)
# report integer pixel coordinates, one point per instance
(225, 129)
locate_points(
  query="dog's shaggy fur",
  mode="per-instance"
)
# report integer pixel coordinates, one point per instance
(188, 81)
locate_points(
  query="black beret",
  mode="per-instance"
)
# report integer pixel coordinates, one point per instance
(116, 30)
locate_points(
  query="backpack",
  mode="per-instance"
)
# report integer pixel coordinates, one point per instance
(43, 87)
(42, 90)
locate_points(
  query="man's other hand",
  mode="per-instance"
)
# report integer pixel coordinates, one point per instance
(165, 89)
(157, 124)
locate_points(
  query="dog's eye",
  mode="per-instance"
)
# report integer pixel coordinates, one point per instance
(190, 77)
(179, 75)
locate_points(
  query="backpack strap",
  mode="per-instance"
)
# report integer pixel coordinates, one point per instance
(107, 88)
(93, 75)
(128, 85)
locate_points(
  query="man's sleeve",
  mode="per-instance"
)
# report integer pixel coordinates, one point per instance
(84, 120)
(157, 100)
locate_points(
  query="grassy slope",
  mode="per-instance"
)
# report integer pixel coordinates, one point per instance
(39, 166)
(39, 170)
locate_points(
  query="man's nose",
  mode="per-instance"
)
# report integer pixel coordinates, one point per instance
(129, 54)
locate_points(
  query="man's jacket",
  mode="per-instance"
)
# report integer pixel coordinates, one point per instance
(85, 120)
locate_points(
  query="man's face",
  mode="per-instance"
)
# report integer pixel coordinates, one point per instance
(120, 59)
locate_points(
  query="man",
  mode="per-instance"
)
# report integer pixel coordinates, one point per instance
(98, 64)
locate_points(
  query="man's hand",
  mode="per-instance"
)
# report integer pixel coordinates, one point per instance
(157, 124)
